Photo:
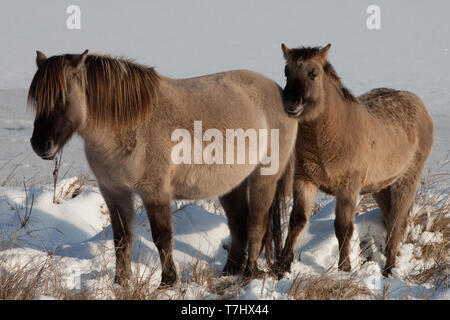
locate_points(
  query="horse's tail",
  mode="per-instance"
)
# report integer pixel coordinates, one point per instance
(277, 211)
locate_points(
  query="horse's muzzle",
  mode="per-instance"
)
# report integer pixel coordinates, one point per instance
(293, 108)
(44, 149)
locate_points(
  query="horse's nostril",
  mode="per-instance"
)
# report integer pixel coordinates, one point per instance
(292, 106)
(48, 145)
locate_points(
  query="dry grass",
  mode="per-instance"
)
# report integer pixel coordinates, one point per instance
(44, 275)
(73, 189)
(141, 286)
(22, 282)
(39, 276)
(327, 287)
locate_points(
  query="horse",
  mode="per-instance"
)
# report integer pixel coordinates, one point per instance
(347, 146)
(127, 114)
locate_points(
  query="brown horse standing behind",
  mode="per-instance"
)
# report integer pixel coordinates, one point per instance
(126, 114)
(347, 146)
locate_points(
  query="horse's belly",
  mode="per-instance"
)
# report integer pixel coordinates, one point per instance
(207, 181)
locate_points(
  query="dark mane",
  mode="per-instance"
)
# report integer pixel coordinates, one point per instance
(119, 92)
(305, 53)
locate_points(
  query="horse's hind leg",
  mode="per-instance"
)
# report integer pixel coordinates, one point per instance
(121, 212)
(403, 192)
(261, 191)
(236, 208)
(304, 195)
(383, 199)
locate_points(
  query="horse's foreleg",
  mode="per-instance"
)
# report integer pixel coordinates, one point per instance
(121, 212)
(304, 196)
(343, 225)
(236, 208)
(160, 216)
(261, 197)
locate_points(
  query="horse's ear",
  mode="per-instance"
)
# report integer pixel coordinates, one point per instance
(78, 61)
(323, 53)
(40, 58)
(286, 51)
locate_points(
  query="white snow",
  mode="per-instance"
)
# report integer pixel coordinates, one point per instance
(429, 237)
(79, 236)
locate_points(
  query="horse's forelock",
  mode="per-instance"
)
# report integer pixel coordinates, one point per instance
(48, 85)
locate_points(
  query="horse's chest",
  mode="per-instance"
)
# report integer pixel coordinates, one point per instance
(112, 167)
(310, 168)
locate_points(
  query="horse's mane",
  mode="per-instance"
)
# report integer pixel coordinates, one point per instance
(119, 92)
(306, 53)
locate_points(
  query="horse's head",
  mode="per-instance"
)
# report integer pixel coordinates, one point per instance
(304, 88)
(57, 92)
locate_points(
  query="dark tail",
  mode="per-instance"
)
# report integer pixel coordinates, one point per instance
(278, 210)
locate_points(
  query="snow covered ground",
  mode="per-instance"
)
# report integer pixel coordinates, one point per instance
(190, 38)
(76, 233)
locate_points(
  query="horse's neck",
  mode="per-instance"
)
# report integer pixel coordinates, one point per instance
(102, 139)
(332, 121)
(332, 128)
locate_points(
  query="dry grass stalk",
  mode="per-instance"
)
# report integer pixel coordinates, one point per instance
(326, 287)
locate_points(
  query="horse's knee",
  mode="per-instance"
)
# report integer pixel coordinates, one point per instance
(160, 216)
(343, 227)
(297, 220)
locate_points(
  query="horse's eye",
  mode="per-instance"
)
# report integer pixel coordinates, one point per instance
(312, 75)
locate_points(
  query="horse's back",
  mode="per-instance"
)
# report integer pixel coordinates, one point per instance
(391, 104)
(403, 109)
(245, 84)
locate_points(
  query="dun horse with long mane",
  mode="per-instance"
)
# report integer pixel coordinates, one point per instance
(126, 114)
(347, 146)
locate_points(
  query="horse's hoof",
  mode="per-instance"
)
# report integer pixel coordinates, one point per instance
(231, 269)
(253, 273)
(279, 269)
(387, 272)
(164, 286)
(345, 267)
(281, 273)
(121, 280)
(284, 267)
(168, 280)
